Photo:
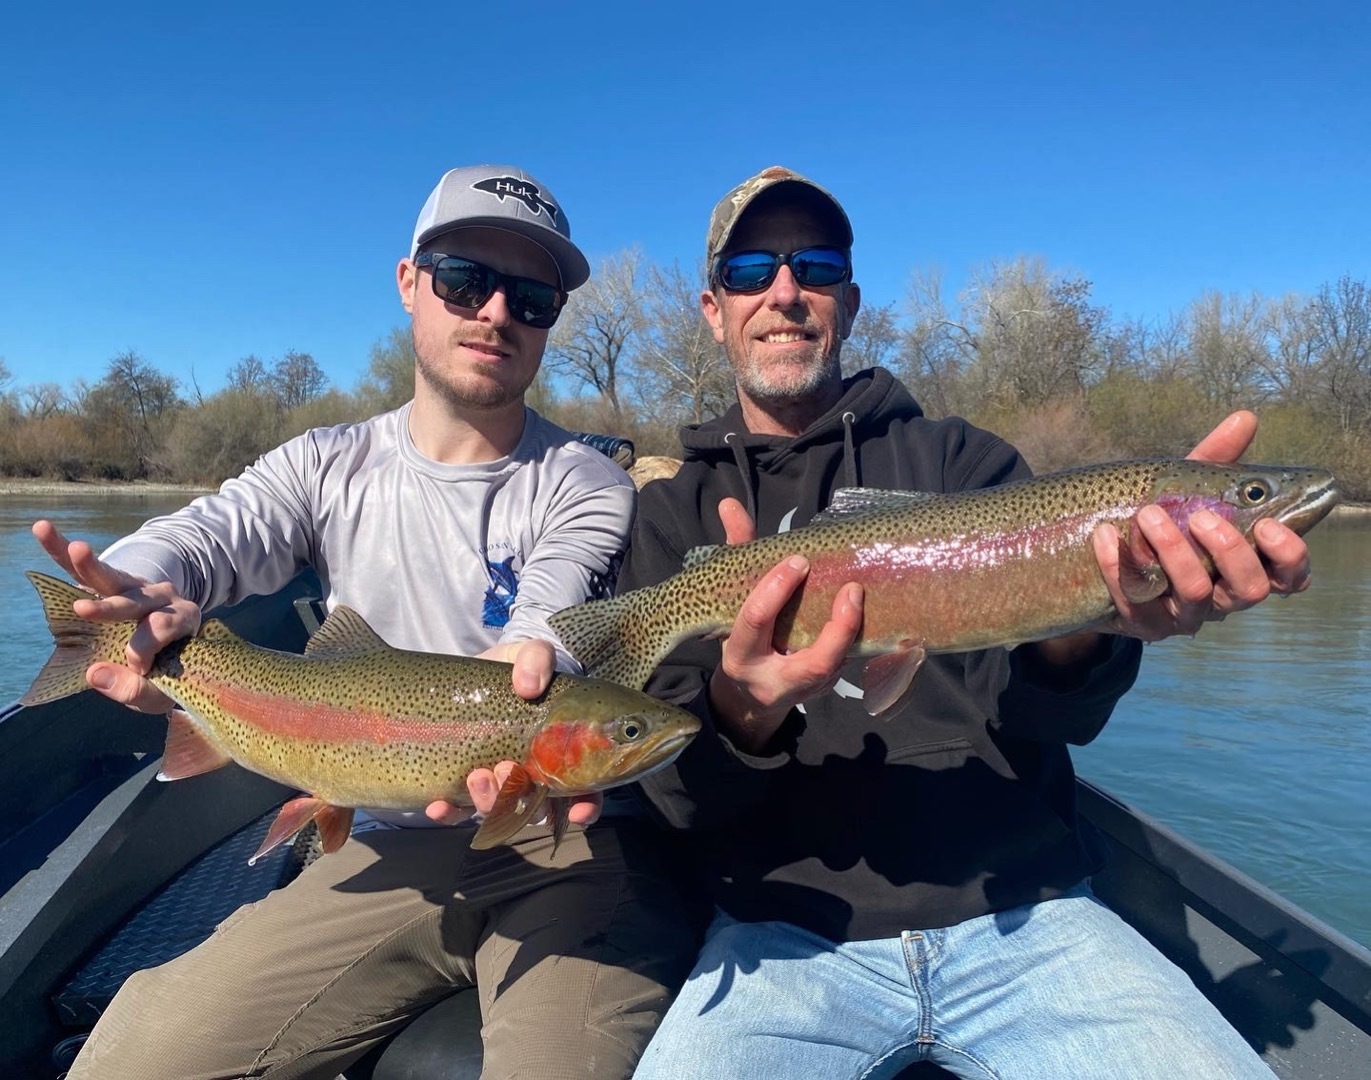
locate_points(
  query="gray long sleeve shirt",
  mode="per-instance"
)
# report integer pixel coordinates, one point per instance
(437, 558)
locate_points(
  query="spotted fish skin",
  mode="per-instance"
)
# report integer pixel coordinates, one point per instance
(942, 572)
(356, 723)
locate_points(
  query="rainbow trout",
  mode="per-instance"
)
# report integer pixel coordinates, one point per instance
(943, 573)
(354, 722)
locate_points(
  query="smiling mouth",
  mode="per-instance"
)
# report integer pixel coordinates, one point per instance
(784, 337)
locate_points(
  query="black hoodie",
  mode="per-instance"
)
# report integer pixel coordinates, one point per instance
(960, 803)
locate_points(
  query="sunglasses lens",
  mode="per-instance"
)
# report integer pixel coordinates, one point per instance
(817, 267)
(535, 303)
(463, 282)
(748, 271)
(752, 271)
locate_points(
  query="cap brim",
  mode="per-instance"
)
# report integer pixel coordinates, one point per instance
(571, 263)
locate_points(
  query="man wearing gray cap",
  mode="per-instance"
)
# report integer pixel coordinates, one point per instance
(912, 886)
(454, 524)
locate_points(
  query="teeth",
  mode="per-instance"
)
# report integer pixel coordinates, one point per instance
(782, 337)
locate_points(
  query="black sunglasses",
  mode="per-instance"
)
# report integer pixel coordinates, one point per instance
(753, 271)
(469, 284)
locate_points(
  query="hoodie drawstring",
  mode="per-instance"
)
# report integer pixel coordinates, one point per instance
(849, 453)
(744, 470)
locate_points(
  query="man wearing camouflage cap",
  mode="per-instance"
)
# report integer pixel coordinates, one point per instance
(454, 524)
(910, 887)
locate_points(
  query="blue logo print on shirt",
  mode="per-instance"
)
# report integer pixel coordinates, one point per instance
(500, 594)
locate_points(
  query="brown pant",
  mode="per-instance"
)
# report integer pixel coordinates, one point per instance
(575, 959)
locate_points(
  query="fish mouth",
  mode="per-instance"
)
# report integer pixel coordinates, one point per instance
(1313, 505)
(660, 754)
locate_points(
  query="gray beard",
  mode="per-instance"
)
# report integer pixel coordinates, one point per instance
(801, 380)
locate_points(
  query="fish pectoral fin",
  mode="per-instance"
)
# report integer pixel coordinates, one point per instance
(519, 802)
(887, 679)
(1141, 576)
(188, 752)
(298, 813)
(559, 816)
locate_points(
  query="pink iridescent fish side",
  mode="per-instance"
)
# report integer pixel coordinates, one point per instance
(944, 573)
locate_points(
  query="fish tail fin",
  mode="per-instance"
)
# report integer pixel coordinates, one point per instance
(79, 642)
(610, 639)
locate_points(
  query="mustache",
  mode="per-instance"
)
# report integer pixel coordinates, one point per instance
(808, 328)
(494, 340)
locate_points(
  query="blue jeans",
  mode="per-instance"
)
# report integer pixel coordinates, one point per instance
(1061, 989)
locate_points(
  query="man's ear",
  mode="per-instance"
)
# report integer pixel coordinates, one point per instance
(852, 303)
(406, 278)
(714, 314)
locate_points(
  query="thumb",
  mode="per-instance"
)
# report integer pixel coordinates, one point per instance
(737, 522)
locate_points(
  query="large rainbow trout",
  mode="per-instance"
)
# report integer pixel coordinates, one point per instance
(354, 722)
(943, 573)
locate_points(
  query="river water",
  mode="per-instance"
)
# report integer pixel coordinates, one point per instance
(1252, 739)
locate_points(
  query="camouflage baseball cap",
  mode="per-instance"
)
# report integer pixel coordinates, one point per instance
(729, 210)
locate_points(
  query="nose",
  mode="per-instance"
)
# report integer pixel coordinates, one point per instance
(784, 291)
(496, 308)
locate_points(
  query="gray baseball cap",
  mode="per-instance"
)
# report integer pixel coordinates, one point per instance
(502, 197)
(729, 210)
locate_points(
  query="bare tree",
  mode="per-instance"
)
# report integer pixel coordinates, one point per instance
(936, 349)
(1227, 349)
(249, 375)
(132, 406)
(682, 369)
(42, 400)
(874, 341)
(1290, 326)
(592, 340)
(1341, 316)
(1037, 335)
(297, 379)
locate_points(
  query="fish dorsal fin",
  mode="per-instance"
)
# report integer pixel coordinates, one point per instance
(850, 503)
(344, 633)
(214, 630)
(702, 554)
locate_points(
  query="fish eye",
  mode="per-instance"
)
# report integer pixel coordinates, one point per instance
(1254, 492)
(631, 729)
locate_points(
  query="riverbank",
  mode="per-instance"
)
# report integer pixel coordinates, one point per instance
(88, 488)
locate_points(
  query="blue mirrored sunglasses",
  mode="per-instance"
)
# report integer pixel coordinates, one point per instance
(753, 271)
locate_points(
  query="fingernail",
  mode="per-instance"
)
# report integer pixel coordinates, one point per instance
(1205, 520)
(1268, 530)
(101, 679)
(797, 562)
(482, 789)
(1151, 515)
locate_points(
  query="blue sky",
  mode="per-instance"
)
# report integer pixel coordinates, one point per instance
(199, 183)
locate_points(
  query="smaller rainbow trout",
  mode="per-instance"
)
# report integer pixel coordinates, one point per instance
(354, 722)
(943, 573)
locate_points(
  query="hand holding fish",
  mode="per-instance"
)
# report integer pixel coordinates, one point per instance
(1244, 576)
(534, 663)
(162, 616)
(756, 685)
